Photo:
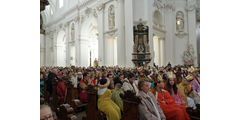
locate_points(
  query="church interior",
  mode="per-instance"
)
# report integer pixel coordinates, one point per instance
(120, 59)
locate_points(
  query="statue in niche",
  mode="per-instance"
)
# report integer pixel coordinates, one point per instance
(180, 21)
(95, 63)
(72, 32)
(111, 17)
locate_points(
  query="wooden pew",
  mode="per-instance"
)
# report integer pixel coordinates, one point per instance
(55, 99)
(42, 101)
(194, 114)
(92, 111)
(71, 96)
(130, 105)
(46, 94)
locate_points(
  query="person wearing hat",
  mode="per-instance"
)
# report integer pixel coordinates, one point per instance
(129, 84)
(79, 76)
(171, 110)
(105, 103)
(186, 90)
(195, 83)
(171, 87)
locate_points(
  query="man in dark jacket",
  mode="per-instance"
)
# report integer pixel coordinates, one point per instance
(51, 76)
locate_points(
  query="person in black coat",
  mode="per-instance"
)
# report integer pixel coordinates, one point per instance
(51, 76)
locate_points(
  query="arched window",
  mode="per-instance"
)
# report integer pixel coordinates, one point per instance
(60, 3)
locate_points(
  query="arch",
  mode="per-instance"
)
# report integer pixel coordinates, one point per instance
(89, 41)
(61, 48)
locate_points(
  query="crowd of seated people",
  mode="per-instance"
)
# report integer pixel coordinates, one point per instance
(166, 92)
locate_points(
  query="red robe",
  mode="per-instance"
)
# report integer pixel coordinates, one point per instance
(61, 90)
(171, 110)
(83, 93)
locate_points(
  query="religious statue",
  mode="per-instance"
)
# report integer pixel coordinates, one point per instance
(111, 17)
(180, 21)
(95, 63)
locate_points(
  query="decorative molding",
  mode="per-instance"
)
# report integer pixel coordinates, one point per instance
(88, 11)
(95, 13)
(82, 18)
(111, 32)
(144, 22)
(190, 5)
(158, 4)
(84, 3)
(100, 7)
(181, 34)
(169, 5)
(160, 28)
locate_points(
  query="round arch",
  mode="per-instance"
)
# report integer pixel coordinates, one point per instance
(89, 34)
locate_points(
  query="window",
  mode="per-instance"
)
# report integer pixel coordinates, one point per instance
(60, 3)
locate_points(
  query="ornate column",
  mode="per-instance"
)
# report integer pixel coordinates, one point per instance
(101, 46)
(191, 16)
(77, 39)
(169, 23)
(68, 33)
(120, 36)
(54, 59)
(48, 48)
(42, 49)
(47, 51)
(128, 32)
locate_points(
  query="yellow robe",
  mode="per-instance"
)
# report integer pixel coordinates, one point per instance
(184, 90)
(106, 105)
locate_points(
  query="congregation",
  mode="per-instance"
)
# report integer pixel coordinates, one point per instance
(165, 92)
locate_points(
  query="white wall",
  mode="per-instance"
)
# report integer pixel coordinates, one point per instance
(127, 14)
